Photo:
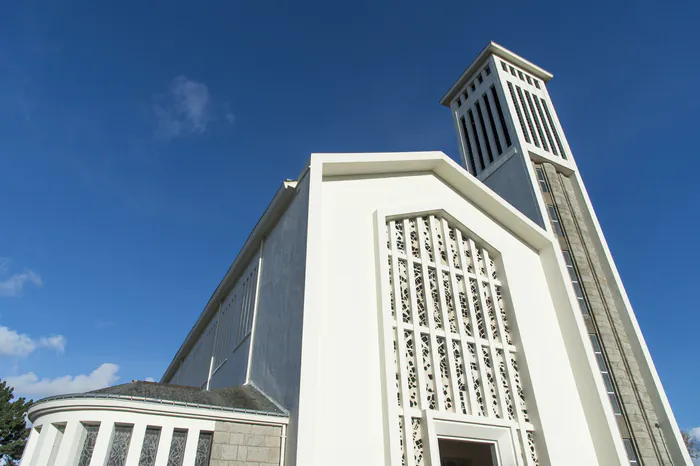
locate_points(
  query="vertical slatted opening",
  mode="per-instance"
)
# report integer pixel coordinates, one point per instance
(546, 125)
(527, 116)
(468, 147)
(476, 140)
(556, 133)
(518, 112)
(485, 135)
(494, 131)
(537, 120)
(501, 117)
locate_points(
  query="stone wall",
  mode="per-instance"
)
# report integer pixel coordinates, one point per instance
(624, 367)
(243, 444)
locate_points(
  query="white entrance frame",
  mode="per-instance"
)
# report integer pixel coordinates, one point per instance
(501, 435)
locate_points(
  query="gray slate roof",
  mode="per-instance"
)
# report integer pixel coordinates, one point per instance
(239, 398)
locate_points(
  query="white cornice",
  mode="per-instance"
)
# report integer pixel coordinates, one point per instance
(163, 408)
(493, 49)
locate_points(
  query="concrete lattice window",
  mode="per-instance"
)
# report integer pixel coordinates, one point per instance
(120, 445)
(177, 448)
(203, 449)
(88, 444)
(451, 337)
(149, 449)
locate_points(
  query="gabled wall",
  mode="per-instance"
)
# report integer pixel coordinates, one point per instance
(343, 395)
(512, 182)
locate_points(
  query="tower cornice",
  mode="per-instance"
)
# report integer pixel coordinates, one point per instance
(493, 49)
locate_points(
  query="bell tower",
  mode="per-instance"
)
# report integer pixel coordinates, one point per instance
(511, 139)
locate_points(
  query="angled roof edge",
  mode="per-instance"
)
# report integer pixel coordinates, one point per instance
(354, 164)
(268, 397)
(446, 169)
(277, 206)
(493, 49)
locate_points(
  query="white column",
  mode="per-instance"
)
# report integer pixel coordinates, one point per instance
(43, 449)
(137, 435)
(70, 444)
(166, 436)
(31, 446)
(104, 435)
(48, 434)
(57, 441)
(191, 446)
(256, 298)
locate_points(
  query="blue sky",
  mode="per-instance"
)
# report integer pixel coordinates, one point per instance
(139, 143)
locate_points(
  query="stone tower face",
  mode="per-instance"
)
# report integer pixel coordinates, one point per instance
(511, 139)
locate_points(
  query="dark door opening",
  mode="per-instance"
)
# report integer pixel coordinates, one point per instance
(465, 453)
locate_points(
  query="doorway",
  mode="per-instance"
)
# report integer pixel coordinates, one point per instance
(466, 453)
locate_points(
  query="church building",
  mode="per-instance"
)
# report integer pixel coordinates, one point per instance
(402, 309)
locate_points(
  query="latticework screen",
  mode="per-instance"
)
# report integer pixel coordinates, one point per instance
(452, 345)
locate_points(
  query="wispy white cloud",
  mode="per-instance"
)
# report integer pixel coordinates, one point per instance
(13, 285)
(150, 379)
(101, 324)
(695, 433)
(186, 109)
(54, 342)
(13, 343)
(30, 385)
(228, 114)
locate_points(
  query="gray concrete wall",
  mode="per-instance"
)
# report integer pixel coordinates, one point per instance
(276, 359)
(243, 444)
(233, 362)
(234, 369)
(511, 181)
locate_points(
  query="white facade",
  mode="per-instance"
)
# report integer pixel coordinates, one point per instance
(504, 360)
(393, 302)
(347, 355)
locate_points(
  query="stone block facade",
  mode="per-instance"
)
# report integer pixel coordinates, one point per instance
(246, 444)
(638, 410)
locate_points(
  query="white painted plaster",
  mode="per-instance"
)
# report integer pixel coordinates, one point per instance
(344, 363)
